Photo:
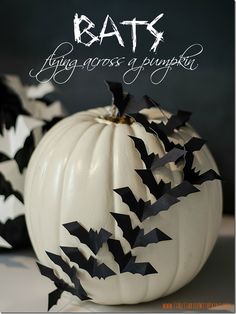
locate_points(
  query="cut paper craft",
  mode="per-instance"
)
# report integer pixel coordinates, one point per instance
(125, 103)
(119, 99)
(26, 113)
(174, 122)
(6, 189)
(10, 106)
(13, 139)
(143, 209)
(93, 239)
(129, 199)
(193, 176)
(10, 171)
(10, 208)
(14, 231)
(127, 262)
(62, 286)
(159, 189)
(154, 161)
(90, 265)
(136, 236)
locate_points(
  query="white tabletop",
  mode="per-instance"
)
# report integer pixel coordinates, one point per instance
(23, 289)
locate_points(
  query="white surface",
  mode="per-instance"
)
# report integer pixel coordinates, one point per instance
(23, 289)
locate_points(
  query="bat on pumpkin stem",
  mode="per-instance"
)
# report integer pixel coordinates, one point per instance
(125, 102)
(127, 262)
(136, 236)
(93, 239)
(90, 265)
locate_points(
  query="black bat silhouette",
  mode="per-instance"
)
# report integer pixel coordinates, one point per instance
(55, 295)
(195, 177)
(6, 189)
(159, 189)
(119, 99)
(136, 236)
(154, 161)
(93, 239)
(90, 265)
(10, 106)
(174, 122)
(143, 209)
(192, 145)
(129, 199)
(127, 262)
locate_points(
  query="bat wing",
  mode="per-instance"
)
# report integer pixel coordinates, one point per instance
(128, 198)
(53, 298)
(172, 156)
(209, 175)
(154, 236)
(176, 121)
(157, 189)
(183, 189)
(14, 139)
(140, 146)
(162, 203)
(6, 189)
(119, 100)
(90, 265)
(23, 155)
(120, 257)
(77, 230)
(10, 208)
(124, 222)
(139, 268)
(194, 144)
(91, 238)
(58, 260)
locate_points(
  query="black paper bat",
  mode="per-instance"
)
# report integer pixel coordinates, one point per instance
(14, 231)
(90, 265)
(159, 189)
(129, 199)
(154, 161)
(10, 106)
(49, 124)
(62, 286)
(192, 145)
(127, 262)
(119, 99)
(143, 209)
(194, 176)
(125, 103)
(3, 157)
(6, 189)
(93, 239)
(174, 122)
(136, 236)
(22, 157)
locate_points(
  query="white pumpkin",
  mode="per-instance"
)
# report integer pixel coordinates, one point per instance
(71, 177)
